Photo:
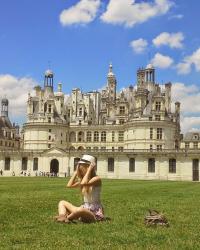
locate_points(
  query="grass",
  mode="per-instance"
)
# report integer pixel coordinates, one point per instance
(27, 206)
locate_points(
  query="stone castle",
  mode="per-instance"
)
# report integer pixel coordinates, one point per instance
(132, 134)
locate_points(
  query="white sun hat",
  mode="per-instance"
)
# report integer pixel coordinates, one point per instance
(87, 159)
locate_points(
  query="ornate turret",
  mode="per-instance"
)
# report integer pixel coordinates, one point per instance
(48, 79)
(111, 84)
(4, 107)
(150, 73)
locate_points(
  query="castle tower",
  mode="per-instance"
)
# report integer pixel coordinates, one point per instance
(48, 81)
(150, 73)
(4, 107)
(112, 83)
(140, 77)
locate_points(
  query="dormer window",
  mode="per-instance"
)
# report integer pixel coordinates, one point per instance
(195, 137)
(158, 106)
(80, 111)
(121, 110)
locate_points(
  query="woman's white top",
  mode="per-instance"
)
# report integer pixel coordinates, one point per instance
(93, 196)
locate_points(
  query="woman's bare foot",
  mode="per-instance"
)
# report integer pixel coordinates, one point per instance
(61, 218)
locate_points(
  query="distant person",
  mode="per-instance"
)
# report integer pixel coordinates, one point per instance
(13, 173)
(1, 172)
(89, 183)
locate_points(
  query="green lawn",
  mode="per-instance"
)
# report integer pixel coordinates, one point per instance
(27, 206)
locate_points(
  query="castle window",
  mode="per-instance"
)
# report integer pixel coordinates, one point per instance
(195, 137)
(24, 163)
(187, 145)
(49, 119)
(49, 109)
(96, 148)
(151, 133)
(157, 117)
(80, 136)
(96, 136)
(49, 130)
(80, 111)
(89, 136)
(35, 164)
(49, 145)
(88, 148)
(113, 136)
(131, 164)
(113, 149)
(79, 122)
(151, 165)
(121, 110)
(159, 133)
(68, 114)
(110, 164)
(195, 145)
(159, 147)
(121, 136)
(7, 163)
(172, 165)
(103, 149)
(121, 121)
(151, 147)
(103, 136)
(158, 106)
(120, 149)
(49, 137)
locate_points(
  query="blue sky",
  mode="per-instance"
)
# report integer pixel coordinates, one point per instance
(78, 39)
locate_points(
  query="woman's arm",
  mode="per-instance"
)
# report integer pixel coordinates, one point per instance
(72, 182)
(87, 176)
(95, 181)
(88, 181)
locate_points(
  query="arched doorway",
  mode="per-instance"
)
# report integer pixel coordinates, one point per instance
(54, 166)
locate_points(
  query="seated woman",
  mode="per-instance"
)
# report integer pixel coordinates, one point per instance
(90, 184)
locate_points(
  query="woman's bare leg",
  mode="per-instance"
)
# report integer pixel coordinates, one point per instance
(67, 211)
(65, 208)
(83, 213)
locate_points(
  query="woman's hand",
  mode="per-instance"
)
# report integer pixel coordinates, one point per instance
(92, 166)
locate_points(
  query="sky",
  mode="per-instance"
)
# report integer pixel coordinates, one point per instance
(77, 39)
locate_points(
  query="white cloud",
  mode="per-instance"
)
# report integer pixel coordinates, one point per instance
(82, 13)
(139, 45)
(185, 66)
(173, 40)
(178, 16)
(161, 61)
(189, 97)
(191, 123)
(16, 90)
(129, 13)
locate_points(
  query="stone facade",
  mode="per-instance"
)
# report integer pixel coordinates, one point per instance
(9, 133)
(133, 134)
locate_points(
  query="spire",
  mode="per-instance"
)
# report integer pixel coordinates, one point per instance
(110, 73)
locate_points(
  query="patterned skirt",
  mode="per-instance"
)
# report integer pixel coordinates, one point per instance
(96, 209)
